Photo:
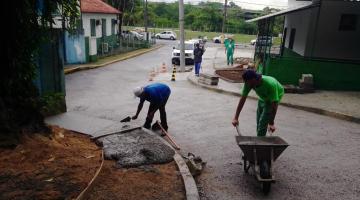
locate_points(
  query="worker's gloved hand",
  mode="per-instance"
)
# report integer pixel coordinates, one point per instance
(235, 122)
(271, 128)
(134, 117)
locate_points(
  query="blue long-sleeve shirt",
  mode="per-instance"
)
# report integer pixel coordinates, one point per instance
(156, 93)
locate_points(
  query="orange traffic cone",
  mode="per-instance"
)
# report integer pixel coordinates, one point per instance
(151, 75)
(163, 67)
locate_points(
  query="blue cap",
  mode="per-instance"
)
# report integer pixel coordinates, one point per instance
(250, 74)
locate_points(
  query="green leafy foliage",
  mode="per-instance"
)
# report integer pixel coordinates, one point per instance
(206, 16)
(28, 25)
(52, 103)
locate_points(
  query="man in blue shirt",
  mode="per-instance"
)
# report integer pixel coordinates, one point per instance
(198, 53)
(157, 94)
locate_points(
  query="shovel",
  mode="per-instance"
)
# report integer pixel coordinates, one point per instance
(126, 119)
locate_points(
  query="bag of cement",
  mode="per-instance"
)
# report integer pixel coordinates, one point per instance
(195, 164)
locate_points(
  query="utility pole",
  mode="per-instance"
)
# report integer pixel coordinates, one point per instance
(182, 35)
(224, 22)
(146, 21)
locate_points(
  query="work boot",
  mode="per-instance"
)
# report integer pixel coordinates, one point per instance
(147, 124)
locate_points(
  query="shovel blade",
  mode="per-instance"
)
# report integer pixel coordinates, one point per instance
(127, 119)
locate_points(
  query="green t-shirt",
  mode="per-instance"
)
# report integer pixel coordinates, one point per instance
(270, 90)
(230, 46)
(226, 41)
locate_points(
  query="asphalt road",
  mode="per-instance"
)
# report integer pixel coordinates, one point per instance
(322, 162)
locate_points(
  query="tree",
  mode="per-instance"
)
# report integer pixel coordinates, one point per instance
(233, 5)
(29, 23)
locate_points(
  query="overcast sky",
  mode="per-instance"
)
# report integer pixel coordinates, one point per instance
(248, 4)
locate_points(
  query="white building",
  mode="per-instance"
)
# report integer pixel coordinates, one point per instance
(326, 29)
(101, 26)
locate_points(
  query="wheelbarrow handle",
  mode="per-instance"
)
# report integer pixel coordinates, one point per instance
(237, 130)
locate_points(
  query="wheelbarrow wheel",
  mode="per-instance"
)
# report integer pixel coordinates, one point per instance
(266, 185)
(246, 165)
(265, 170)
(265, 174)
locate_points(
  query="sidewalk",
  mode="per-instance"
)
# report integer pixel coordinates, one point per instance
(338, 104)
(68, 69)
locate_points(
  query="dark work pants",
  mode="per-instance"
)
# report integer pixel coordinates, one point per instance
(197, 68)
(152, 109)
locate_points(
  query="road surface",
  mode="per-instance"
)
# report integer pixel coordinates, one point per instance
(322, 162)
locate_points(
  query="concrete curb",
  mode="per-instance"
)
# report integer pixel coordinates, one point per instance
(319, 111)
(191, 190)
(87, 67)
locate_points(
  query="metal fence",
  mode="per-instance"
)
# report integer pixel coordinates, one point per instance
(123, 45)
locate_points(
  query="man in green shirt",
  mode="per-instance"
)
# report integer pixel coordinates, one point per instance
(270, 92)
(229, 50)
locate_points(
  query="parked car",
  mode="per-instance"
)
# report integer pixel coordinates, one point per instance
(136, 35)
(143, 34)
(218, 38)
(166, 35)
(203, 38)
(189, 53)
(263, 41)
(200, 41)
(131, 35)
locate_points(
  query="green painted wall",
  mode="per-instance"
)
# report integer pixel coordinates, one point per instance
(93, 58)
(328, 74)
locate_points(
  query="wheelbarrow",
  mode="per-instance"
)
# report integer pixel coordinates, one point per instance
(260, 153)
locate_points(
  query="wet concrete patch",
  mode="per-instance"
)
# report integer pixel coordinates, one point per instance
(135, 148)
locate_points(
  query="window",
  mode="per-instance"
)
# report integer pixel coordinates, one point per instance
(292, 38)
(113, 24)
(103, 27)
(93, 27)
(348, 22)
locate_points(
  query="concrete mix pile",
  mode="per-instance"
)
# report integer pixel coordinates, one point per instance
(135, 148)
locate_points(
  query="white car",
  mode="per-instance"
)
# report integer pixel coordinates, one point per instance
(189, 53)
(131, 35)
(253, 42)
(200, 41)
(136, 35)
(218, 38)
(166, 35)
(263, 41)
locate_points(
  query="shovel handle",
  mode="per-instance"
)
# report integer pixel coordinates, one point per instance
(168, 136)
(237, 130)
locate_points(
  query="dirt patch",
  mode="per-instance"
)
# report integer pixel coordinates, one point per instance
(232, 75)
(55, 166)
(145, 182)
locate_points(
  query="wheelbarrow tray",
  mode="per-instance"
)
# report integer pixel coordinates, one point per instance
(263, 147)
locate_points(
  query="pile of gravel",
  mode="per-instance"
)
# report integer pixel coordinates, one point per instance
(135, 148)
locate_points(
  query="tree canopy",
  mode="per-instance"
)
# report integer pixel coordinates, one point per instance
(205, 16)
(28, 23)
